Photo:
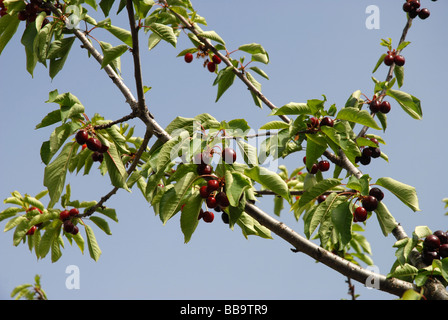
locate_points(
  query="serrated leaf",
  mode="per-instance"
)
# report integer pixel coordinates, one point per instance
(410, 104)
(226, 77)
(171, 199)
(212, 35)
(358, 116)
(189, 215)
(94, 249)
(115, 167)
(273, 125)
(342, 219)
(113, 53)
(55, 173)
(164, 32)
(269, 180)
(318, 189)
(406, 193)
(292, 108)
(8, 27)
(386, 220)
(236, 184)
(102, 224)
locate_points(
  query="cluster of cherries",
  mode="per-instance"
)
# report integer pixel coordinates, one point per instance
(214, 191)
(393, 57)
(32, 9)
(368, 153)
(211, 64)
(435, 246)
(379, 106)
(87, 141)
(67, 216)
(368, 203)
(412, 7)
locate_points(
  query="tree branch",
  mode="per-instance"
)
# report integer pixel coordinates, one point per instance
(347, 268)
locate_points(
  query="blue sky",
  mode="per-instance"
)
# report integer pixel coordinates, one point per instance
(315, 48)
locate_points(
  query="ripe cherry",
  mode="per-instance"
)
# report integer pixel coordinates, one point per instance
(360, 214)
(203, 191)
(442, 235)
(370, 203)
(82, 136)
(313, 169)
(31, 231)
(211, 202)
(73, 212)
(225, 218)
(212, 185)
(63, 215)
(326, 121)
(229, 155)
(222, 200)
(93, 144)
(377, 193)
(211, 66)
(216, 59)
(399, 60)
(428, 256)
(97, 156)
(68, 226)
(202, 158)
(431, 242)
(188, 57)
(323, 165)
(321, 198)
(423, 13)
(208, 216)
(75, 230)
(375, 152)
(375, 106)
(443, 250)
(204, 169)
(389, 59)
(385, 107)
(314, 122)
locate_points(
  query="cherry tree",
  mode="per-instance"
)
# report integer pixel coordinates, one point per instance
(202, 169)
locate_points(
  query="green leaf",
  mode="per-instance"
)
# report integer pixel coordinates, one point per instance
(236, 184)
(269, 180)
(260, 72)
(212, 35)
(407, 194)
(252, 48)
(122, 34)
(403, 271)
(273, 125)
(399, 74)
(58, 53)
(189, 215)
(106, 5)
(28, 42)
(8, 27)
(379, 62)
(257, 85)
(113, 53)
(386, 220)
(115, 167)
(226, 77)
(101, 223)
(55, 173)
(342, 219)
(358, 116)
(51, 233)
(94, 249)
(410, 104)
(51, 118)
(318, 189)
(171, 199)
(249, 153)
(292, 108)
(142, 7)
(164, 32)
